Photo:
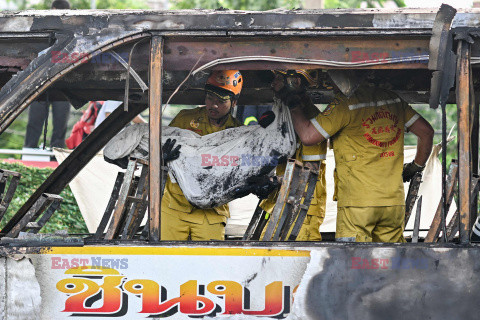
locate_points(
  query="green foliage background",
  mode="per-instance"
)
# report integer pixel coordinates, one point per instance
(345, 4)
(274, 4)
(85, 4)
(434, 116)
(207, 4)
(68, 216)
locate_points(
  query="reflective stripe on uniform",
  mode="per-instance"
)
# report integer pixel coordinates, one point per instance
(319, 128)
(412, 120)
(373, 103)
(249, 119)
(314, 157)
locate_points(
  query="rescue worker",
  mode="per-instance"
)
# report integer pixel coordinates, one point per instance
(180, 220)
(366, 126)
(285, 84)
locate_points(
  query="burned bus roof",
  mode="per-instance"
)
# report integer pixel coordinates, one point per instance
(389, 20)
(197, 37)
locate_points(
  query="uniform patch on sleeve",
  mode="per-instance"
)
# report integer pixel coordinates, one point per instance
(194, 123)
(330, 107)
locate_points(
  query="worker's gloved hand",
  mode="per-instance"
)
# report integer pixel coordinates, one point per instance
(169, 152)
(262, 186)
(266, 119)
(409, 170)
(300, 100)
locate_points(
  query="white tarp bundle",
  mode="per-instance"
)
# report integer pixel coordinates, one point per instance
(213, 168)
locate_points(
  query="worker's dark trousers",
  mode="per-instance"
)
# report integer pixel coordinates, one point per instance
(37, 113)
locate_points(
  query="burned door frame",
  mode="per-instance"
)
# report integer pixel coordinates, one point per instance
(23, 92)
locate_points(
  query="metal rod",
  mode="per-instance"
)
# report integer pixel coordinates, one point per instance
(416, 226)
(156, 161)
(464, 138)
(110, 206)
(444, 172)
(474, 116)
(253, 222)
(281, 199)
(412, 195)
(122, 203)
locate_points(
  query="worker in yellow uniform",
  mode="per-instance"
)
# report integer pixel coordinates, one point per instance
(366, 126)
(312, 156)
(180, 220)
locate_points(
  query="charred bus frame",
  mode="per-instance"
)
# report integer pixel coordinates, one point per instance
(390, 43)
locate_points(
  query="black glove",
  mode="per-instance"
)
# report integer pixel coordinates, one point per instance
(170, 153)
(121, 162)
(409, 170)
(289, 96)
(266, 119)
(301, 100)
(262, 186)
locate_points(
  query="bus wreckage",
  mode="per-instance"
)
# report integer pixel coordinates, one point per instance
(124, 270)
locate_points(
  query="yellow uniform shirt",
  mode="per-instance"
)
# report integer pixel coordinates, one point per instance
(173, 201)
(367, 131)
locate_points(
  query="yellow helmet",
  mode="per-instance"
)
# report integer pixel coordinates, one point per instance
(311, 76)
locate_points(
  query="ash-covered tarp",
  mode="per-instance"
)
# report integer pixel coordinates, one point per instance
(213, 168)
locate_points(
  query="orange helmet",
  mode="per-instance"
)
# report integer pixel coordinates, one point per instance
(225, 84)
(310, 75)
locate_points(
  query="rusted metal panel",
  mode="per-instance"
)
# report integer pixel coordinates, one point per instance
(155, 103)
(464, 106)
(109, 84)
(183, 54)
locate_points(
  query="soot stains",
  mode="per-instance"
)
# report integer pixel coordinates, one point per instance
(284, 129)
